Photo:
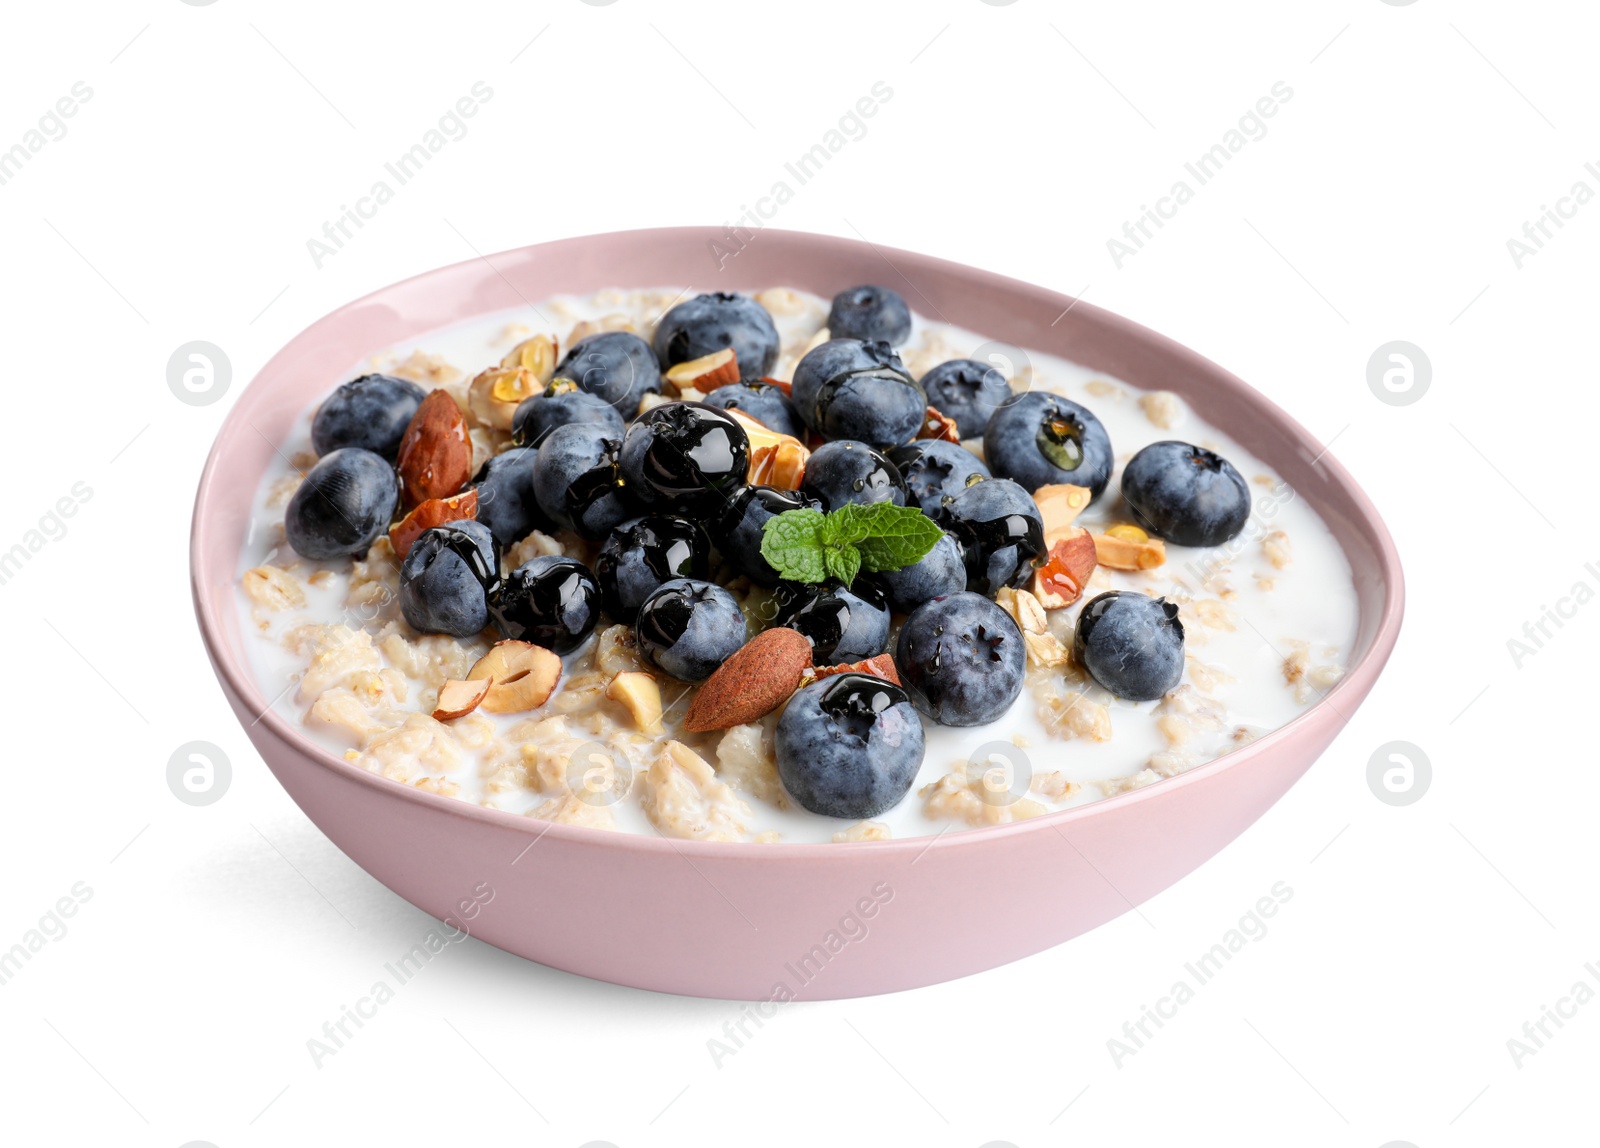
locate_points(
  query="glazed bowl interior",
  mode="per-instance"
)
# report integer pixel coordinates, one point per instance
(266, 413)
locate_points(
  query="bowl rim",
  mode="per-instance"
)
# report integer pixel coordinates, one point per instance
(1358, 679)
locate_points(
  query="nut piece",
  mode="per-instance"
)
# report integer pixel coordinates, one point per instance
(1060, 581)
(706, 373)
(642, 697)
(495, 394)
(524, 676)
(538, 354)
(1059, 505)
(458, 699)
(435, 459)
(1121, 552)
(938, 426)
(755, 681)
(776, 460)
(434, 512)
(879, 666)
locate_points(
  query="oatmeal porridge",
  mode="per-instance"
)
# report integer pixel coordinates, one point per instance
(775, 568)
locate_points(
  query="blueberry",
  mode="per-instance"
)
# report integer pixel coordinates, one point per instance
(765, 403)
(617, 366)
(371, 412)
(708, 323)
(1131, 643)
(561, 403)
(843, 471)
(849, 746)
(1001, 533)
(968, 391)
(870, 313)
(641, 554)
(1186, 494)
(738, 530)
(550, 601)
(345, 502)
(575, 480)
(843, 624)
(846, 385)
(962, 659)
(688, 628)
(1040, 438)
(506, 504)
(686, 457)
(935, 472)
(448, 577)
(940, 571)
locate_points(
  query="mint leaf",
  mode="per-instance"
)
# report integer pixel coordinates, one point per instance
(843, 562)
(791, 542)
(897, 536)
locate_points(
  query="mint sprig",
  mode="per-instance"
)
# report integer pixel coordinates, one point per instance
(810, 546)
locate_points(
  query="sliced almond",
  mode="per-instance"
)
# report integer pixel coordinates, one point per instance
(706, 373)
(538, 354)
(938, 426)
(1059, 505)
(879, 666)
(458, 699)
(776, 460)
(435, 457)
(524, 676)
(638, 692)
(434, 512)
(1072, 559)
(1129, 554)
(495, 394)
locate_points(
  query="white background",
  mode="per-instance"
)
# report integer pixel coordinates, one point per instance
(1019, 137)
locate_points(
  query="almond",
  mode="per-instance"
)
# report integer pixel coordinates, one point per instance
(879, 666)
(638, 692)
(435, 459)
(1124, 551)
(538, 354)
(458, 699)
(776, 460)
(1059, 505)
(782, 384)
(751, 684)
(434, 512)
(938, 426)
(495, 394)
(524, 676)
(1073, 558)
(706, 373)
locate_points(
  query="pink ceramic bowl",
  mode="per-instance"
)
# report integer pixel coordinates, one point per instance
(801, 920)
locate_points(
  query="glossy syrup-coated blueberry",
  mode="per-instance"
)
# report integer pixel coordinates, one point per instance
(685, 457)
(1186, 494)
(842, 623)
(962, 659)
(538, 415)
(1040, 438)
(640, 555)
(762, 401)
(942, 570)
(550, 601)
(838, 359)
(1001, 533)
(709, 323)
(448, 578)
(882, 406)
(688, 628)
(870, 313)
(935, 472)
(617, 366)
(841, 472)
(506, 503)
(738, 529)
(345, 502)
(849, 746)
(968, 391)
(371, 412)
(1131, 643)
(575, 480)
